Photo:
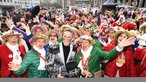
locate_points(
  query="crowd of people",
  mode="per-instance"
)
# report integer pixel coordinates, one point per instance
(76, 43)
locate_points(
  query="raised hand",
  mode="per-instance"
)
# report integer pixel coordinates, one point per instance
(127, 42)
(99, 30)
(26, 27)
(9, 23)
(50, 23)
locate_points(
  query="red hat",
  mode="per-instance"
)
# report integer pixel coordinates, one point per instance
(129, 26)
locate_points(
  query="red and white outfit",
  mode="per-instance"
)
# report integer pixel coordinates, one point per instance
(140, 54)
(119, 22)
(9, 53)
(127, 69)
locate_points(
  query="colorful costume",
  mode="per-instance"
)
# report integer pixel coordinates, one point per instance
(96, 57)
(32, 62)
(116, 67)
(6, 56)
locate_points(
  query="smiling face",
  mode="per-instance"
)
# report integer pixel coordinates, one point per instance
(85, 45)
(40, 43)
(67, 38)
(53, 37)
(13, 40)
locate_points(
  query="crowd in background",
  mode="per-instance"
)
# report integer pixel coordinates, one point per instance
(76, 43)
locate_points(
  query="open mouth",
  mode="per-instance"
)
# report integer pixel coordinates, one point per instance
(52, 39)
(41, 46)
(14, 42)
(84, 47)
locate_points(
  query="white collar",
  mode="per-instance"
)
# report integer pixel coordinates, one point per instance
(12, 47)
(50, 43)
(42, 62)
(37, 49)
(86, 54)
(16, 53)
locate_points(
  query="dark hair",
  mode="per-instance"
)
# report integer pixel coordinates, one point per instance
(4, 19)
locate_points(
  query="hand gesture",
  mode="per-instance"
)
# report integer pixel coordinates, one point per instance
(99, 30)
(50, 23)
(26, 27)
(87, 73)
(13, 66)
(105, 61)
(127, 42)
(60, 76)
(9, 23)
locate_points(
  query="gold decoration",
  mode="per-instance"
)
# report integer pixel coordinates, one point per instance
(86, 68)
(120, 62)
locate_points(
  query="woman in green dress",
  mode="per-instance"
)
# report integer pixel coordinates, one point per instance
(90, 57)
(34, 60)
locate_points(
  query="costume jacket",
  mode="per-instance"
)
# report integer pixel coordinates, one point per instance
(140, 54)
(96, 57)
(31, 62)
(116, 24)
(97, 44)
(6, 56)
(128, 68)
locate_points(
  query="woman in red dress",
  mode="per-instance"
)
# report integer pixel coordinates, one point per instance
(11, 51)
(123, 64)
(140, 55)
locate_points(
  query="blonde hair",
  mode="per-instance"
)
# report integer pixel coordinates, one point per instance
(118, 33)
(5, 40)
(40, 36)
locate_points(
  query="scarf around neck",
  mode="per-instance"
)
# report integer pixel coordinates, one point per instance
(17, 59)
(42, 53)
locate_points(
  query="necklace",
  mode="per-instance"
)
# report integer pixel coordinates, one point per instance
(84, 64)
(120, 60)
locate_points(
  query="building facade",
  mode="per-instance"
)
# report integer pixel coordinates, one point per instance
(6, 5)
(17, 4)
(24, 4)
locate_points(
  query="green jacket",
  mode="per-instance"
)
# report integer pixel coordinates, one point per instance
(98, 44)
(96, 57)
(31, 62)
